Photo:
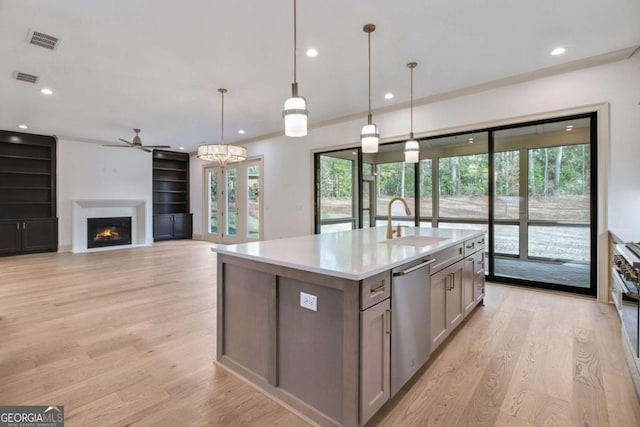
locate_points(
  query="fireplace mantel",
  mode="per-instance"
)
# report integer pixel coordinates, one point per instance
(83, 209)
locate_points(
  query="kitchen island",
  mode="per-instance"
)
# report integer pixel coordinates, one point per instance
(315, 321)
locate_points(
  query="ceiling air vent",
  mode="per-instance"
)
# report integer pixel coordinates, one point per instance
(42, 40)
(24, 77)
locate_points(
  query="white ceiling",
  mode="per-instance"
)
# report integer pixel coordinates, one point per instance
(157, 64)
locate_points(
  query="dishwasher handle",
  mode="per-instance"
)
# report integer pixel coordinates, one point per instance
(414, 268)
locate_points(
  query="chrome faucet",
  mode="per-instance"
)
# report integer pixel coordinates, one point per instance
(390, 231)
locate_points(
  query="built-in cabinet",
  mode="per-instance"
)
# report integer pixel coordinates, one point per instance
(375, 344)
(375, 358)
(456, 288)
(171, 216)
(28, 220)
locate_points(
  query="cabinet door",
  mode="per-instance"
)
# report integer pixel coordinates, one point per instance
(10, 237)
(162, 227)
(440, 283)
(455, 306)
(40, 235)
(375, 359)
(468, 285)
(182, 226)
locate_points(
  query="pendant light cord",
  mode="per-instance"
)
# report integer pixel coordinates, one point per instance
(369, 37)
(222, 121)
(295, 42)
(412, 102)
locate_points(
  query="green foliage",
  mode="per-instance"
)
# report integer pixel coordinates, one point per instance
(463, 175)
(390, 179)
(336, 177)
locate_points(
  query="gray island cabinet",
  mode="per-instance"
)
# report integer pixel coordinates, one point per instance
(310, 320)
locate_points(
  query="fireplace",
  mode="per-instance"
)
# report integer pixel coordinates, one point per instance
(103, 232)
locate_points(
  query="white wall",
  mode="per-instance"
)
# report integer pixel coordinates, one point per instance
(288, 174)
(90, 171)
(196, 194)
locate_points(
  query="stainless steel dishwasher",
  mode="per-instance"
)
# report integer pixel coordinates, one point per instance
(410, 301)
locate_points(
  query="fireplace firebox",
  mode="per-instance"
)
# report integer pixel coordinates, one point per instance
(103, 232)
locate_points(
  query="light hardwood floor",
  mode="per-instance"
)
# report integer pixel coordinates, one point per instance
(127, 337)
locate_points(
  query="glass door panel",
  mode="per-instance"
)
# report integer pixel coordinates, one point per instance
(426, 192)
(395, 179)
(253, 203)
(463, 187)
(231, 175)
(542, 205)
(212, 199)
(336, 191)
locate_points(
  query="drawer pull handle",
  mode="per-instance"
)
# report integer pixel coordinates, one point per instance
(470, 246)
(378, 289)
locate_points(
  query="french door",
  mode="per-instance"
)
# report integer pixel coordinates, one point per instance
(233, 202)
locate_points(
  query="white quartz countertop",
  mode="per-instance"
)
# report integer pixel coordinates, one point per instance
(353, 255)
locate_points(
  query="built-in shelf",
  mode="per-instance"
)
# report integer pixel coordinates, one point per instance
(14, 172)
(24, 203)
(171, 217)
(169, 169)
(4, 187)
(7, 156)
(28, 220)
(170, 180)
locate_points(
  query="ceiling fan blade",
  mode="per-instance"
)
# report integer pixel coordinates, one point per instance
(157, 146)
(125, 141)
(144, 149)
(116, 145)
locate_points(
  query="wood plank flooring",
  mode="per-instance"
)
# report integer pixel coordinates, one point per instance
(127, 338)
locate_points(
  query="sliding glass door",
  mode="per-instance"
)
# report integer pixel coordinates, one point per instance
(542, 217)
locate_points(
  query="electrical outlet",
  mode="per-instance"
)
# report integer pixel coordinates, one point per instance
(308, 301)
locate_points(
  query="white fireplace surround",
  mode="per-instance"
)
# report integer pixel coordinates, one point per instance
(83, 209)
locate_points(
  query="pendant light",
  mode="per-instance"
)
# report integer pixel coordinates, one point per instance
(295, 108)
(369, 135)
(222, 153)
(411, 147)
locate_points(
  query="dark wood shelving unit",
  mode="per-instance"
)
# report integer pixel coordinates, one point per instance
(172, 218)
(28, 221)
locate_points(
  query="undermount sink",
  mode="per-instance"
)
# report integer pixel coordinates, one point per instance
(415, 240)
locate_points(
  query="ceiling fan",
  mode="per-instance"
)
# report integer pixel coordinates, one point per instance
(137, 143)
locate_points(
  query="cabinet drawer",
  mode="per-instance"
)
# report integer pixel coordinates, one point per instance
(473, 245)
(375, 289)
(447, 257)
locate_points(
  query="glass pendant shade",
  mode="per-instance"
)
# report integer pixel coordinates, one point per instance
(222, 153)
(411, 151)
(295, 116)
(369, 138)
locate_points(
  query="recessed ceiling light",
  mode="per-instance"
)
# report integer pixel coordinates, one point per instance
(470, 140)
(312, 53)
(388, 95)
(569, 128)
(353, 153)
(46, 91)
(182, 148)
(558, 51)
(23, 126)
(241, 131)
